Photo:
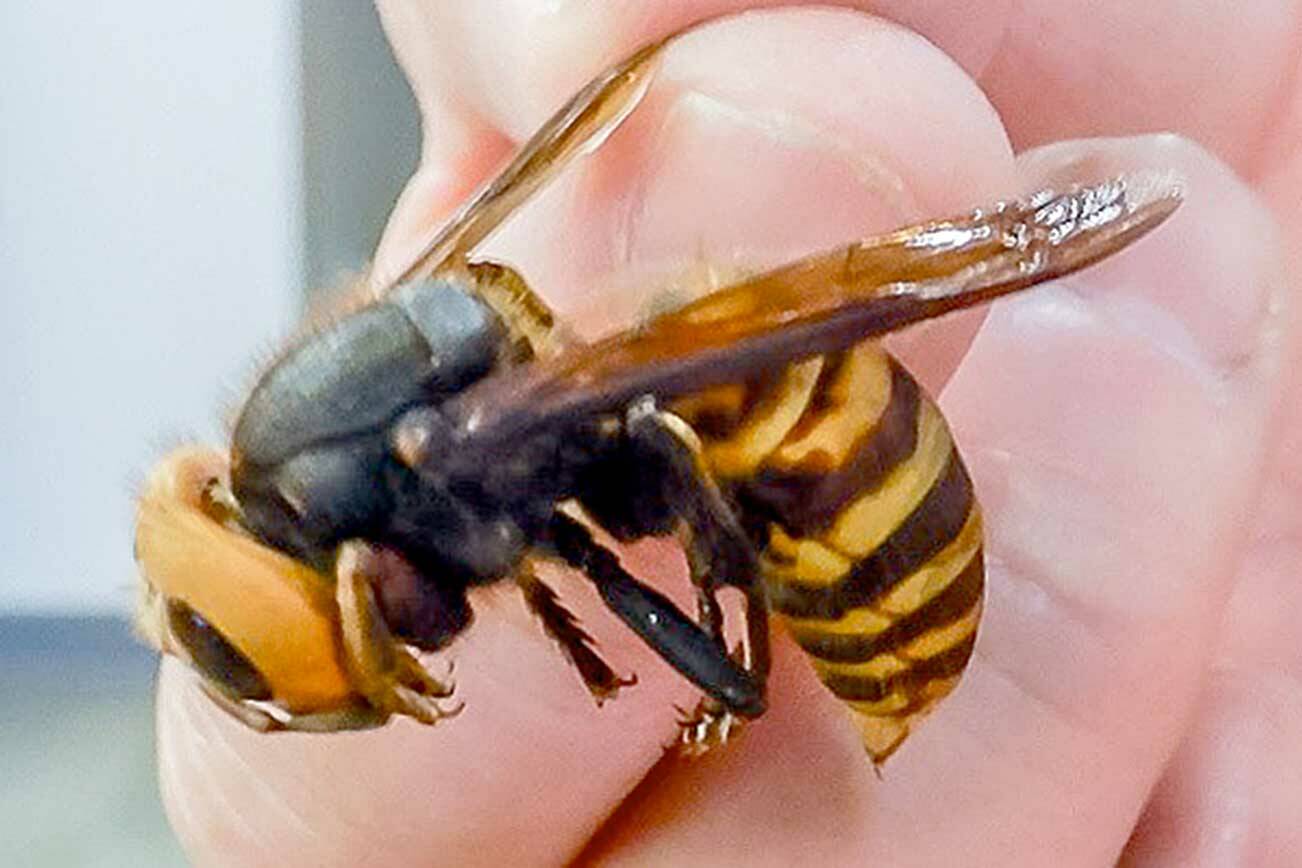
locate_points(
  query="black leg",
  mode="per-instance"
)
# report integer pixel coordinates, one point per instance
(719, 554)
(722, 550)
(561, 625)
(718, 551)
(709, 614)
(683, 644)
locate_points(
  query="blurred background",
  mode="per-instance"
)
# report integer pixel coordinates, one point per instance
(173, 179)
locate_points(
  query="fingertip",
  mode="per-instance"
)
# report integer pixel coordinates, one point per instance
(525, 774)
(782, 131)
(796, 130)
(1114, 423)
(430, 196)
(1221, 237)
(1121, 379)
(764, 137)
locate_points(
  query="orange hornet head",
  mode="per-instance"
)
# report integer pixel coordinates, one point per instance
(260, 628)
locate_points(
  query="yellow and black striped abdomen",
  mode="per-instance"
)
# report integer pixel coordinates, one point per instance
(848, 479)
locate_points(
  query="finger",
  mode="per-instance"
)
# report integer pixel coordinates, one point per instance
(1074, 69)
(458, 148)
(489, 73)
(526, 90)
(1053, 70)
(735, 163)
(1116, 532)
(1230, 794)
(1114, 426)
(1279, 178)
(1121, 575)
(530, 769)
(515, 60)
(523, 775)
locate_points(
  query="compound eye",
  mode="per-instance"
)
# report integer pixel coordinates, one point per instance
(216, 659)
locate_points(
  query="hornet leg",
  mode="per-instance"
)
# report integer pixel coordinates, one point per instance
(383, 670)
(718, 553)
(561, 625)
(696, 654)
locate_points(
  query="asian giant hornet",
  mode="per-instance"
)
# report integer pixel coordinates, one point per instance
(448, 435)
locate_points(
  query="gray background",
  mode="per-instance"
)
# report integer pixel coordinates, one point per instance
(173, 178)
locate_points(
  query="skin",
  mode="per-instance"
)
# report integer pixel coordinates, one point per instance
(1135, 434)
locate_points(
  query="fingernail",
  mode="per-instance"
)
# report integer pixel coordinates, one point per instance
(1142, 386)
(1207, 287)
(745, 185)
(774, 134)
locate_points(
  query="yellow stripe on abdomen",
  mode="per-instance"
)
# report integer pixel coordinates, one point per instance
(764, 429)
(871, 542)
(865, 524)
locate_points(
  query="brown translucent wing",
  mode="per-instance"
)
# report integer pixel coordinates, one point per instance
(824, 303)
(579, 127)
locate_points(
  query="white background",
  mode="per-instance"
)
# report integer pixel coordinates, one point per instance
(155, 160)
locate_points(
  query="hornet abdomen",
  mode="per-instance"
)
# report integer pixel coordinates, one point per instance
(847, 477)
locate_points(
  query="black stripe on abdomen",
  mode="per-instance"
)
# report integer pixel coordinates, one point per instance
(859, 688)
(951, 604)
(932, 525)
(807, 501)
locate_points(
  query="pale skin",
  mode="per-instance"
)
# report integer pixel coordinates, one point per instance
(1135, 434)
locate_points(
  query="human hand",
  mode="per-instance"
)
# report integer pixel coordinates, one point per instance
(1136, 677)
